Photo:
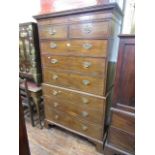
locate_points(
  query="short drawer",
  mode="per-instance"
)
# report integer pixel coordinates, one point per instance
(123, 120)
(53, 32)
(82, 65)
(90, 30)
(74, 81)
(76, 110)
(121, 140)
(93, 48)
(80, 126)
(93, 102)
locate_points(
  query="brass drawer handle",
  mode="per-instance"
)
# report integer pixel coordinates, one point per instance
(56, 116)
(87, 46)
(84, 128)
(86, 82)
(53, 45)
(55, 77)
(87, 29)
(56, 92)
(52, 31)
(54, 61)
(84, 113)
(85, 100)
(56, 104)
(86, 64)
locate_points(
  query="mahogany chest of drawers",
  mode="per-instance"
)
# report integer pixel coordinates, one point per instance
(77, 50)
(29, 61)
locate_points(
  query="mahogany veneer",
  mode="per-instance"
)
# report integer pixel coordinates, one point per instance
(77, 47)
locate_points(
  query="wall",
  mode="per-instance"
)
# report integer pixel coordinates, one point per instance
(129, 15)
(27, 9)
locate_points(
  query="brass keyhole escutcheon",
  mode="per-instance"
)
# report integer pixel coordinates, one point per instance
(54, 61)
(86, 82)
(86, 64)
(55, 77)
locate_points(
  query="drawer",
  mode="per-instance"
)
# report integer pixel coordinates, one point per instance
(123, 120)
(125, 108)
(93, 48)
(53, 32)
(76, 110)
(93, 102)
(94, 131)
(74, 81)
(82, 65)
(121, 140)
(90, 30)
(111, 150)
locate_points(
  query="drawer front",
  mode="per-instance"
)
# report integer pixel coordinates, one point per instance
(123, 121)
(90, 30)
(86, 101)
(53, 32)
(93, 48)
(75, 110)
(80, 126)
(111, 150)
(122, 140)
(91, 66)
(74, 81)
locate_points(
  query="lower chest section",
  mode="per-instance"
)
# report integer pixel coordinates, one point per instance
(75, 110)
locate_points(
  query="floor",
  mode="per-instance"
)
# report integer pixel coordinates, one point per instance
(56, 141)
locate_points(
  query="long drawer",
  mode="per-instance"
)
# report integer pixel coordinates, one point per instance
(76, 110)
(123, 120)
(94, 131)
(91, 66)
(74, 81)
(121, 140)
(91, 48)
(90, 101)
(111, 150)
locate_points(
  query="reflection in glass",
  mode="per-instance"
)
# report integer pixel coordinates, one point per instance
(21, 50)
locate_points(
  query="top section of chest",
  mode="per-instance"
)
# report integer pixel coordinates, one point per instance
(96, 22)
